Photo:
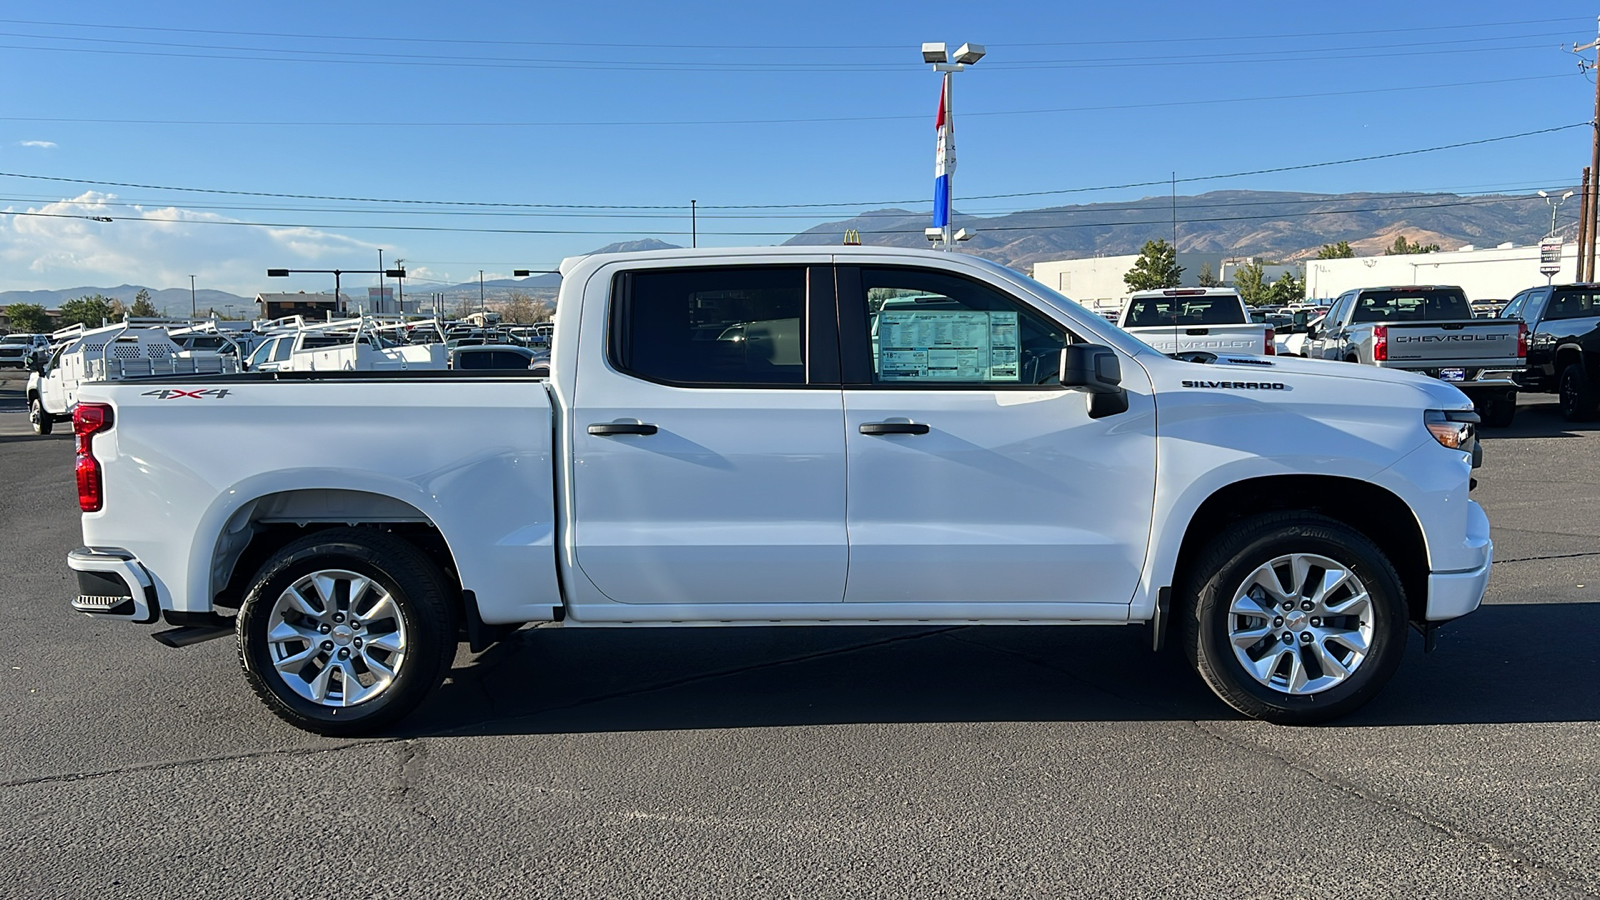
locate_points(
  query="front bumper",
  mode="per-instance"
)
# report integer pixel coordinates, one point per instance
(112, 584)
(1454, 594)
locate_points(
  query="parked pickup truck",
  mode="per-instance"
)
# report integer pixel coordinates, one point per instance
(1563, 324)
(1428, 329)
(993, 457)
(1190, 320)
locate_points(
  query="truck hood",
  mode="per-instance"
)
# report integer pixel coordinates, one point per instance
(1275, 368)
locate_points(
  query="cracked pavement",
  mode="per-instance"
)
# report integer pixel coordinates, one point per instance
(812, 762)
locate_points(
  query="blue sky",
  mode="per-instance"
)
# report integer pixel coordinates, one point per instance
(641, 105)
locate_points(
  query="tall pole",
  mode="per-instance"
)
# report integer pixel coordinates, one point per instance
(1586, 256)
(194, 308)
(1583, 226)
(483, 306)
(380, 280)
(338, 293)
(950, 155)
(694, 226)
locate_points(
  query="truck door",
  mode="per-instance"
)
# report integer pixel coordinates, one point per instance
(973, 478)
(708, 457)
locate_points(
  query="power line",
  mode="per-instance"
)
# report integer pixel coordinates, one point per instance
(459, 230)
(787, 121)
(346, 38)
(857, 203)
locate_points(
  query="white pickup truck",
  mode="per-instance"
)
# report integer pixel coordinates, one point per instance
(887, 437)
(1196, 320)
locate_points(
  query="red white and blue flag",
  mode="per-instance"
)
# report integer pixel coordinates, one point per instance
(944, 159)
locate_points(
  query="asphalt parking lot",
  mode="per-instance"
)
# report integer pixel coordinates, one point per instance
(808, 762)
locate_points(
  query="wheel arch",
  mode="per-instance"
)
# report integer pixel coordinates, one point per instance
(261, 526)
(1372, 510)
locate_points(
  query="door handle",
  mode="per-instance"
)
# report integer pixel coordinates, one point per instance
(609, 428)
(893, 428)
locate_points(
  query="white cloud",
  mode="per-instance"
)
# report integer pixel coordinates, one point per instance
(43, 145)
(160, 248)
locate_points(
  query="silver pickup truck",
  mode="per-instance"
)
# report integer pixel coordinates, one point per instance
(1428, 329)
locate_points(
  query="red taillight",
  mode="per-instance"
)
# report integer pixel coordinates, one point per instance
(1522, 340)
(1380, 342)
(1272, 342)
(89, 419)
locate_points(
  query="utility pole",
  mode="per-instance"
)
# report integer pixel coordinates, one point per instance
(694, 224)
(1594, 163)
(1583, 226)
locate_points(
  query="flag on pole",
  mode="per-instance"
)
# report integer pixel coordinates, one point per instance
(944, 159)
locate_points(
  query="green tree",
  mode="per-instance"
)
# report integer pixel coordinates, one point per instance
(1249, 280)
(1286, 290)
(1157, 267)
(142, 307)
(1403, 247)
(1340, 250)
(28, 318)
(1209, 278)
(89, 311)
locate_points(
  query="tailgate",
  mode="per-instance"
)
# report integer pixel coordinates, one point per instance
(1474, 343)
(1219, 339)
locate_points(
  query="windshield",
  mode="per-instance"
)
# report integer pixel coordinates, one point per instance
(1408, 305)
(1150, 312)
(17, 339)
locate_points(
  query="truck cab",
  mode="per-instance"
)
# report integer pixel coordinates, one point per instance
(1563, 325)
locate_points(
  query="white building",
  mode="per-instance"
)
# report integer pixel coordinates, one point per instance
(1494, 274)
(1097, 282)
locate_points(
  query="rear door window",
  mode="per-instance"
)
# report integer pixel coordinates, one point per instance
(734, 326)
(1573, 304)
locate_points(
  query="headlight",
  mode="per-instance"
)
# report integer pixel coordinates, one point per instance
(1453, 428)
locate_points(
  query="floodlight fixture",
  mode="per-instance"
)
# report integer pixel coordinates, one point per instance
(935, 53)
(1543, 194)
(1568, 195)
(277, 273)
(967, 54)
(963, 235)
(933, 234)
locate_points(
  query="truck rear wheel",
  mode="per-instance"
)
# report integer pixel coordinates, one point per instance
(1498, 410)
(1578, 397)
(345, 631)
(42, 422)
(1294, 618)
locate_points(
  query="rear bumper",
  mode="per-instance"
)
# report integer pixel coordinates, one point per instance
(112, 584)
(1454, 594)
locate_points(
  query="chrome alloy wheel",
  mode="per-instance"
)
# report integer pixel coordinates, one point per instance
(336, 638)
(1301, 623)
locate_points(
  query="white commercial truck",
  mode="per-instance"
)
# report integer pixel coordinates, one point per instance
(1196, 320)
(789, 435)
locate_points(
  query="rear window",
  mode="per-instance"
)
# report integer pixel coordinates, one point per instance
(1436, 305)
(1573, 305)
(1149, 312)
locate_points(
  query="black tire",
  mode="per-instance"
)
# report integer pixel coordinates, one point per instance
(1499, 410)
(43, 422)
(427, 626)
(1579, 399)
(1222, 569)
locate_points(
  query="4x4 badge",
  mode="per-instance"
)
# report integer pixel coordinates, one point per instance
(174, 393)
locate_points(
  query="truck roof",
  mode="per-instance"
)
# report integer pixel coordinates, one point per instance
(718, 253)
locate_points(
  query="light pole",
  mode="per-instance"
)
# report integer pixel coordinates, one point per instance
(483, 306)
(1555, 205)
(336, 273)
(194, 308)
(944, 167)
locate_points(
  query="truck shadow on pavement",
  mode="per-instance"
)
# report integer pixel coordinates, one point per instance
(1538, 420)
(1502, 664)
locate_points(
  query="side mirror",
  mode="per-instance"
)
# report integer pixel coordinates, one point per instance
(36, 362)
(1095, 370)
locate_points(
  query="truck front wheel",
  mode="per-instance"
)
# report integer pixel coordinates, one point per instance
(1294, 618)
(345, 631)
(1499, 409)
(42, 422)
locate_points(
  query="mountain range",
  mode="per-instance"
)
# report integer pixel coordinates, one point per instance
(1278, 225)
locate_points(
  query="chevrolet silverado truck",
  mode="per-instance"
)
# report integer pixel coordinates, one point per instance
(1428, 329)
(1563, 324)
(1196, 320)
(794, 436)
